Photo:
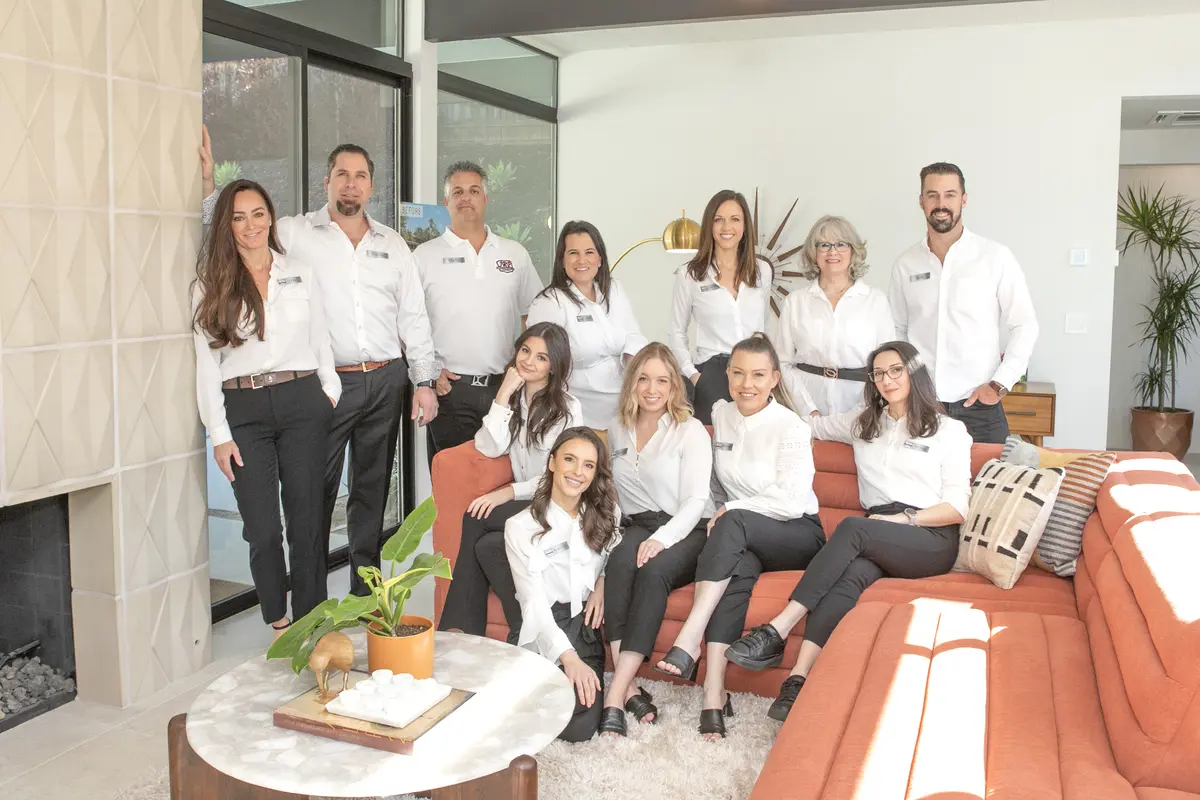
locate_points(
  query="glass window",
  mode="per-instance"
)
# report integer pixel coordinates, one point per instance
(375, 23)
(504, 65)
(518, 153)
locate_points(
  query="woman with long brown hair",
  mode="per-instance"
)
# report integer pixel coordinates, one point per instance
(558, 548)
(532, 407)
(266, 387)
(914, 481)
(726, 288)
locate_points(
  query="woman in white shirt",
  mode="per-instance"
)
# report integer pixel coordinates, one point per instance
(594, 310)
(266, 387)
(914, 480)
(727, 290)
(662, 464)
(532, 407)
(766, 517)
(558, 548)
(828, 328)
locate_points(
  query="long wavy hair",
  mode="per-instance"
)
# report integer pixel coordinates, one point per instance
(627, 403)
(924, 412)
(227, 291)
(747, 270)
(558, 275)
(599, 502)
(548, 407)
(759, 343)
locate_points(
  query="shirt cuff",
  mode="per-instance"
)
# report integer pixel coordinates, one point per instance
(220, 434)
(688, 372)
(419, 371)
(523, 490)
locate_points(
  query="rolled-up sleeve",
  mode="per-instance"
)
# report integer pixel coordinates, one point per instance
(537, 620)
(956, 466)
(791, 495)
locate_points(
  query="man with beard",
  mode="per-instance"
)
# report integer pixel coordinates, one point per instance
(956, 296)
(379, 330)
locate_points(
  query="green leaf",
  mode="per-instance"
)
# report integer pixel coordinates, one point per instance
(353, 607)
(300, 659)
(404, 541)
(287, 645)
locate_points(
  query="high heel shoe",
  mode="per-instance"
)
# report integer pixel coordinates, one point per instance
(681, 660)
(712, 720)
(641, 705)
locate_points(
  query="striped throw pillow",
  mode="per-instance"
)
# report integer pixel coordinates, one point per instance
(1061, 543)
(1010, 505)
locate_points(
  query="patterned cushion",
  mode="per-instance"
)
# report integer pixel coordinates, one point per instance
(1010, 505)
(1060, 545)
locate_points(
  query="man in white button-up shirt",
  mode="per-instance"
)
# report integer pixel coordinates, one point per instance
(478, 287)
(957, 297)
(375, 311)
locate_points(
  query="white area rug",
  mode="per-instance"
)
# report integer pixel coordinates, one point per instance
(664, 760)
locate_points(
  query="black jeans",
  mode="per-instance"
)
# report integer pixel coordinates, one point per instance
(367, 418)
(460, 414)
(281, 433)
(713, 385)
(860, 552)
(742, 546)
(589, 646)
(986, 424)
(635, 600)
(482, 563)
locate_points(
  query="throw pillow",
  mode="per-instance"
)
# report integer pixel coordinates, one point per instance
(1061, 543)
(1010, 505)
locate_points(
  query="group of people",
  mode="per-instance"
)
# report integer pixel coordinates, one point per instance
(308, 328)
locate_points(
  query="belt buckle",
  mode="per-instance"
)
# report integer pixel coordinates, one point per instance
(363, 367)
(479, 380)
(254, 384)
(829, 372)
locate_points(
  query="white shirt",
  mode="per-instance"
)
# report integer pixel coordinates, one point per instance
(812, 331)
(956, 314)
(896, 467)
(557, 567)
(671, 474)
(721, 321)
(294, 338)
(475, 300)
(598, 338)
(528, 460)
(763, 463)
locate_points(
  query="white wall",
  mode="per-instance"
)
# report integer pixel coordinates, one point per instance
(1031, 112)
(1180, 146)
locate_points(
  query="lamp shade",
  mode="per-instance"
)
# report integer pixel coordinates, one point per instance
(681, 236)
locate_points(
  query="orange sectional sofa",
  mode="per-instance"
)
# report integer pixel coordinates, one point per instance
(949, 687)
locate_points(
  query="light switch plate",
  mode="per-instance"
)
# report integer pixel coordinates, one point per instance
(1080, 257)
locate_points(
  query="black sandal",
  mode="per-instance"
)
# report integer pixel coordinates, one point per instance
(612, 720)
(712, 720)
(681, 660)
(640, 705)
(277, 627)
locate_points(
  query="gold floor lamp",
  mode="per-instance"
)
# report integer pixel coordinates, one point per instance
(680, 237)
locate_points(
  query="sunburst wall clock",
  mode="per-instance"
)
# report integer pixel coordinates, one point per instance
(769, 250)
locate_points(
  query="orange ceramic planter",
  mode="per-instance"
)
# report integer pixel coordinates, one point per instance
(411, 654)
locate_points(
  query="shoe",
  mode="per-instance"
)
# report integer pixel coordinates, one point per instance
(712, 720)
(761, 648)
(279, 629)
(681, 660)
(612, 720)
(787, 696)
(640, 705)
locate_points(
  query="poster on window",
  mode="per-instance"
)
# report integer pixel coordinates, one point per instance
(420, 222)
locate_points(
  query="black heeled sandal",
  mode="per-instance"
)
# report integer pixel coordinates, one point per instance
(640, 705)
(612, 720)
(681, 660)
(712, 720)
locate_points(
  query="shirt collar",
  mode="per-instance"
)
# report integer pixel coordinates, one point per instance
(966, 236)
(572, 288)
(454, 240)
(763, 417)
(324, 218)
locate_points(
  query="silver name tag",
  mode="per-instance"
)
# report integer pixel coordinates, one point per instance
(712, 287)
(923, 276)
(621, 452)
(454, 260)
(291, 280)
(378, 254)
(728, 446)
(584, 318)
(913, 444)
(554, 550)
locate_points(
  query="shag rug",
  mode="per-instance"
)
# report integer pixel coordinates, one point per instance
(664, 760)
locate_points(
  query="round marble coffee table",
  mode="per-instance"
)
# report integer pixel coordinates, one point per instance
(522, 703)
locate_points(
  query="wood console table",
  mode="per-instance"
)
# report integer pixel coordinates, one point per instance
(1030, 410)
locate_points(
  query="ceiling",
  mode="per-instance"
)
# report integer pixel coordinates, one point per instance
(1137, 112)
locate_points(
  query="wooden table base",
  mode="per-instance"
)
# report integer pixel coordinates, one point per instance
(192, 778)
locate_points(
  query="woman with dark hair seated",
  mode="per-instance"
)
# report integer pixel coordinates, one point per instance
(914, 480)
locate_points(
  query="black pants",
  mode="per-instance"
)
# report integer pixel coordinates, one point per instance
(712, 386)
(742, 546)
(635, 600)
(460, 414)
(589, 646)
(482, 563)
(281, 433)
(986, 424)
(860, 552)
(368, 419)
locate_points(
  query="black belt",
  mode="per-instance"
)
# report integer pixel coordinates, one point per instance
(478, 380)
(844, 373)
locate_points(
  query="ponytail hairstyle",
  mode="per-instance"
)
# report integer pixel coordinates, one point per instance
(549, 407)
(924, 412)
(599, 502)
(759, 343)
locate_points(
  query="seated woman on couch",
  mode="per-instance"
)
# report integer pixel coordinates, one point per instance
(558, 548)
(766, 517)
(531, 409)
(662, 462)
(914, 480)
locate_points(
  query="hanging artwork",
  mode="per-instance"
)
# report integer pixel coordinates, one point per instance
(769, 250)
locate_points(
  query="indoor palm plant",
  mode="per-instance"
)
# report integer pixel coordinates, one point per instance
(1166, 228)
(395, 640)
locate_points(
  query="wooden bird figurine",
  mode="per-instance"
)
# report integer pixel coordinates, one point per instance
(334, 651)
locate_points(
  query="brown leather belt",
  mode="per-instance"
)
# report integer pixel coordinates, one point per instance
(366, 366)
(264, 379)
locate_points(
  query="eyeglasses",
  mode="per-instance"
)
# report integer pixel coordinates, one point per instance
(894, 372)
(837, 247)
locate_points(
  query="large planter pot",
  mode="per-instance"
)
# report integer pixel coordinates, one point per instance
(411, 654)
(1162, 431)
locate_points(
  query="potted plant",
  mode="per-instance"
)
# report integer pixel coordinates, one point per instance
(395, 640)
(1166, 229)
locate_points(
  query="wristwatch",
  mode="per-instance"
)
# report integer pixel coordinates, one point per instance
(911, 514)
(425, 384)
(998, 387)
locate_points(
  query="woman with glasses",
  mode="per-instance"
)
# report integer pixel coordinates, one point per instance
(827, 328)
(914, 480)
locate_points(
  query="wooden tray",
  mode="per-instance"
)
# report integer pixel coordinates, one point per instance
(308, 715)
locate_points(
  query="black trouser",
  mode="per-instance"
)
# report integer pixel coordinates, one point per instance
(482, 563)
(367, 418)
(742, 546)
(712, 386)
(281, 432)
(986, 424)
(635, 600)
(460, 413)
(860, 552)
(589, 646)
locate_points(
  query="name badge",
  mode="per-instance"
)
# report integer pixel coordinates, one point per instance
(554, 550)
(454, 260)
(378, 254)
(727, 446)
(621, 452)
(913, 444)
(290, 280)
(584, 318)
(712, 287)
(922, 276)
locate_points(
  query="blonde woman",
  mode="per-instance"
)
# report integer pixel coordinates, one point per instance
(662, 463)
(828, 328)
